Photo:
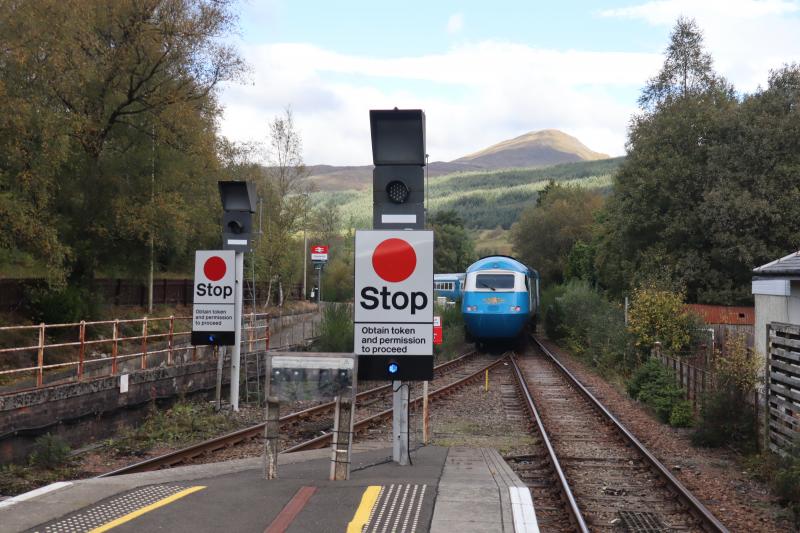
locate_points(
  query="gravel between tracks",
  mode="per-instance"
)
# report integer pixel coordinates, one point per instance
(713, 475)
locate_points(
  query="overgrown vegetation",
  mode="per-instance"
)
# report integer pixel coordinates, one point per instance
(49, 461)
(184, 422)
(654, 385)
(336, 332)
(659, 315)
(452, 332)
(782, 474)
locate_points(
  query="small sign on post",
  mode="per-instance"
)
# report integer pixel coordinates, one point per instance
(437, 330)
(319, 252)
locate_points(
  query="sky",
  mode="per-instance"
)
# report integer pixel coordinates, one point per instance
(482, 71)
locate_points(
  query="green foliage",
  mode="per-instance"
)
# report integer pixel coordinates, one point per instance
(336, 334)
(591, 326)
(704, 190)
(659, 315)
(682, 415)
(182, 423)
(782, 473)
(545, 235)
(654, 385)
(49, 451)
(59, 305)
(452, 332)
(455, 249)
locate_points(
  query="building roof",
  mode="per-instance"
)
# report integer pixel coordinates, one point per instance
(785, 266)
(721, 314)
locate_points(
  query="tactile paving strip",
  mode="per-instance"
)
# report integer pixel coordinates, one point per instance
(103, 513)
(396, 509)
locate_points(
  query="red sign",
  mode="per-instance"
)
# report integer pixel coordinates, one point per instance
(319, 252)
(437, 330)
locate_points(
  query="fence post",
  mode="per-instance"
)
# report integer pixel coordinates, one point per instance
(115, 348)
(250, 333)
(144, 343)
(171, 331)
(82, 349)
(40, 357)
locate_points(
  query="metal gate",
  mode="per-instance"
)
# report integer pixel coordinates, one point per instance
(783, 399)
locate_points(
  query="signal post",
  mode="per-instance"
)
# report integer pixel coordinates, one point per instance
(393, 317)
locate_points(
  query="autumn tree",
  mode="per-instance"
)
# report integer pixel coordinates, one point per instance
(544, 235)
(455, 248)
(108, 127)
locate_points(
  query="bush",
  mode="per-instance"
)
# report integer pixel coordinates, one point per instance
(682, 415)
(57, 306)
(553, 312)
(336, 333)
(658, 314)
(49, 451)
(654, 385)
(782, 474)
(452, 332)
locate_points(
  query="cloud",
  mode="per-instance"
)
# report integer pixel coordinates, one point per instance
(746, 38)
(455, 23)
(474, 95)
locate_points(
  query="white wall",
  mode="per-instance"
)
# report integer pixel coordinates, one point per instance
(769, 308)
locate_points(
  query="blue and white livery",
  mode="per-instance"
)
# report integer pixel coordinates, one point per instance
(499, 298)
(448, 285)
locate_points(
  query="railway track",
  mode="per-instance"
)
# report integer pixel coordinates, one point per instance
(592, 473)
(375, 402)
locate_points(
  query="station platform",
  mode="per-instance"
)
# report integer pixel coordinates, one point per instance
(445, 489)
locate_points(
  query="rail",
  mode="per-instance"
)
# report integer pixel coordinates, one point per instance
(572, 505)
(689, 500)
(257, 430)
(107, 348)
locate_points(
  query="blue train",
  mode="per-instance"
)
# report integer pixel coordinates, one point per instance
(448, 285)
(500, 296)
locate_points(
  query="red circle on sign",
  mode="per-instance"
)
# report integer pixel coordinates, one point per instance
(394, 260)
(214, 268)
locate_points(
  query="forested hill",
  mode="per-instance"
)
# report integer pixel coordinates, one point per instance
(489, 198)
(535, 149)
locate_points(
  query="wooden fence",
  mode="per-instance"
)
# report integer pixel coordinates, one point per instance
(693, 380)
(783, 391)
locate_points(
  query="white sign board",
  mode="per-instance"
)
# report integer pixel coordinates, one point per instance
(319, 253)
(394, 293)
(214, 291)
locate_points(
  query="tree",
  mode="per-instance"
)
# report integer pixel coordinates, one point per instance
(454, 248)
(544, 235)
(286, 202)
(88, 86)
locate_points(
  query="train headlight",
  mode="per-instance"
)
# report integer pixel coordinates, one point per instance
(472, 308)
(515, 309)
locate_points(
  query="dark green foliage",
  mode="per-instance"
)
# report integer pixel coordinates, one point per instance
(654, 385)
(726, 420)
(59, 305)
(782, 474)
(455, 249)
(591, 326)
(49, 451)
(336, 334)
(709, 188)
(682, 415)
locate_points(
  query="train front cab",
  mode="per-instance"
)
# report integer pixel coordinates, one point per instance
(496, 303)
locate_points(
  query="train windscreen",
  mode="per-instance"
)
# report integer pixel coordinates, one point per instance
(494, 281)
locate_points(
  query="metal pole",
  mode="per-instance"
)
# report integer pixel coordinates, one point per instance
(218, 390)
(425, 421)
(152, 240)
(400, 423)
(237, 321)
(319, 285)
(305, 258)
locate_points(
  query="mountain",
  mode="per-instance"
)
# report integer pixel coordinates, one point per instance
(533, 150)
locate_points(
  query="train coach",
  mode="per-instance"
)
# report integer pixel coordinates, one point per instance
(448, 285)
(499, 298)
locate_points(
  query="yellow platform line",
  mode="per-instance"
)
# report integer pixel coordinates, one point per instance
(139, 512)
(368, 499)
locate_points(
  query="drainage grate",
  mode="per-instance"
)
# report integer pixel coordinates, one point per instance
(642, 522)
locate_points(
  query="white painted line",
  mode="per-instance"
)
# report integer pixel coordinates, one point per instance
(237, 242)
(522, 510)
(399, 219)
(34, 493)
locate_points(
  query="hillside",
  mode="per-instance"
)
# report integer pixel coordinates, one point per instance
(532, 150)
(486, 199)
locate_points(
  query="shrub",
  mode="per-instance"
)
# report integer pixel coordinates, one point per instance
(658, 314)
(727, 418)
(336, 334)
(654, 385)
(782, 474)
(553, 312)
(54, 306)
(452, 332)
(682, 415)
(49, 451)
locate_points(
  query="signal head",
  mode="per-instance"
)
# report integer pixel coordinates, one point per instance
(398, 191)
